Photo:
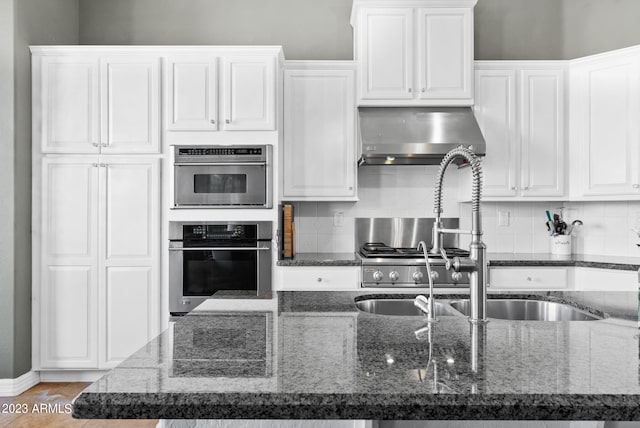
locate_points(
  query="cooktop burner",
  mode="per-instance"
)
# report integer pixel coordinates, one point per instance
(380, 249)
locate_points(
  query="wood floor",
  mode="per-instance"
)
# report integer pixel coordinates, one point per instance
(57, 395)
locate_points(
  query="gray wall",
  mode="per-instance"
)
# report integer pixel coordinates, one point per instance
(33, 22)
(308, 29)
(312, 29)
(6, 189)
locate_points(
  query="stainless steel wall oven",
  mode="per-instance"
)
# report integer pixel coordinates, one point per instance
(229, 258)
(223, 177)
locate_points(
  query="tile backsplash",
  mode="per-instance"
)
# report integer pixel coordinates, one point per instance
(383, 191)
(606, 230)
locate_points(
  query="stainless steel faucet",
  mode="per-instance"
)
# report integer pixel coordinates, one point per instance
(427, 306)
(476, 264)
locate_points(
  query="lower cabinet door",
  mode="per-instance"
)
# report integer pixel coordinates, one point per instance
(69, 317)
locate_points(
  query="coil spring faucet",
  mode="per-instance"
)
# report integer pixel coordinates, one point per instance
(476, 264)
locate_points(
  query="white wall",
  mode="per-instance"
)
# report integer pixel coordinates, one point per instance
(384, 191)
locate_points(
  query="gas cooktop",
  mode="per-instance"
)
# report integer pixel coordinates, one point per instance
(382, 250)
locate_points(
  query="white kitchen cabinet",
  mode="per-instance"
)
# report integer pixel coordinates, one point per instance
(249, 93)
(98, 104)
(319, 278)
(605, 133)
(319, 132)
(99, 249)
(386, 53)
(413, 55)
(529, 278)
(445, 53)
(191, 93)
(593, 279)
(520, 110)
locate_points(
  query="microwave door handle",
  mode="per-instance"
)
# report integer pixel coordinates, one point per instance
(220, 249)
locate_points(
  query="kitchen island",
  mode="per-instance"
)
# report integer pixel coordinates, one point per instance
(315, 356)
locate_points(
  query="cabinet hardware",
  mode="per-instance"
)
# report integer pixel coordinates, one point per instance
(423, 90)
(350, 188)
(95, 144)
(227, 121)
(105, 144)
(529, 279)
(525, 188)
(514, 188)
(409, 90)
(213, 122)
(319, 279)
(95, 165)
(103, 164)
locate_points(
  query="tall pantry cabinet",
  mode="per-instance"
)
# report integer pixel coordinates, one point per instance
(96, 207)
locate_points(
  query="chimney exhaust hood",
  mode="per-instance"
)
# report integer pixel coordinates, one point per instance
(416, 135)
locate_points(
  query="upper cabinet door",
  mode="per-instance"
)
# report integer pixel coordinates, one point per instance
(542, 132)
(605, 107)
(319, 134)
(130, 104)
(69, 104)
(386, 53)
(249, 93)
(495, 110)
(445, 53)
(192, 93)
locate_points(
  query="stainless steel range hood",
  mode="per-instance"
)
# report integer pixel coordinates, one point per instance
(416, 135)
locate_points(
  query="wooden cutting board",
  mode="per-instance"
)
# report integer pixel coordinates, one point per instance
(287, 232)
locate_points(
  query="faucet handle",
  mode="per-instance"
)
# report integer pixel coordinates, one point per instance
(447, 262)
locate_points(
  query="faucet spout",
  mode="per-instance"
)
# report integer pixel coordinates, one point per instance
(427, 306)
(477, 249)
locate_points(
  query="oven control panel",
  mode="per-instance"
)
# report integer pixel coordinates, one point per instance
(384, 276)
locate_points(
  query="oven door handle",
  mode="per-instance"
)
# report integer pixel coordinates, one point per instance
(219, 163)
(221, 249)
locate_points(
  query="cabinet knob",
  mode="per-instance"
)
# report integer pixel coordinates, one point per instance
(423, 90)
(95, 144)
(409, 90)
(213, 122)
(529, 279)
(227, 121)
(319, 279)
(95, 165)
(514, 188)
(105, 145)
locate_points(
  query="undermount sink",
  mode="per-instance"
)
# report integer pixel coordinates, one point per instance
(401, 307)
(528, 310)
(505, 309)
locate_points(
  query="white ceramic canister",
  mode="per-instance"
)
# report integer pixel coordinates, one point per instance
(561, 245)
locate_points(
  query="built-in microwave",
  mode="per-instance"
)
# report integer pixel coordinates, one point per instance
(223, 176)
(226, 259)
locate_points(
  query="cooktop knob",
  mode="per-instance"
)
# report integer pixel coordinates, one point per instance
(377, 276)
(456, 276)
(434, 275)
(417, 276)
(393, 276)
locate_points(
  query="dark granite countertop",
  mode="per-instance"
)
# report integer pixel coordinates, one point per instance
(317, 357)
(321, 259)
(495, 259)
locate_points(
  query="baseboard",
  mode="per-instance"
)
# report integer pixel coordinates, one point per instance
(71, 375)
(13, 387)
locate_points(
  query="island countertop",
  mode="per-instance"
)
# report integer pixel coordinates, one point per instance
(315, 356)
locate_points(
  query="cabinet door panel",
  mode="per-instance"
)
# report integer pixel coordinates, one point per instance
(69, 331)
(319, 134)
(130, 97)
(130, 313)
(70, 121)
(131, 210)
(249, 93)
(542, 132)
(69, 210)
(495, 112)
(609, 127)
(445, 53)
(386, 53)
(192, 98)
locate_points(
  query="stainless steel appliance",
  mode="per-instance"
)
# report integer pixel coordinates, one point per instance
(223, 176)
(416, 135)
(388, 250)
(230, 259)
